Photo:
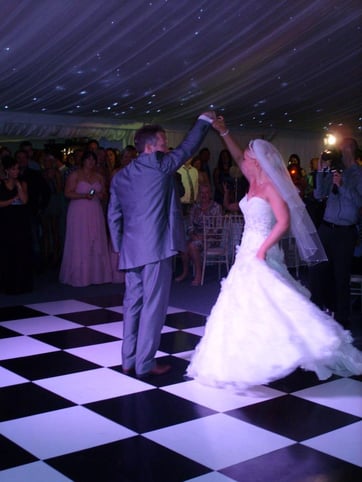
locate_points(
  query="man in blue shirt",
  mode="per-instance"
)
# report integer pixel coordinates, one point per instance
(330, 282)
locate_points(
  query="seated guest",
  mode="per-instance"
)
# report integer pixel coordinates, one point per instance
(205, 206)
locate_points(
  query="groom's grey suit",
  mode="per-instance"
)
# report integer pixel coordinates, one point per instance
(147, 229)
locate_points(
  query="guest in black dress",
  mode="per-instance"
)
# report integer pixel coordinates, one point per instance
(16, 274)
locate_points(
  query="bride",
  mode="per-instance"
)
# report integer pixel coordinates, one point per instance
(263, 325)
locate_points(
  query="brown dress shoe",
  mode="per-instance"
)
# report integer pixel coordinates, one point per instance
(128, 371)
(157, 370)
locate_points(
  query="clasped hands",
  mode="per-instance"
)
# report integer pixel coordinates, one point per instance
(218, 121)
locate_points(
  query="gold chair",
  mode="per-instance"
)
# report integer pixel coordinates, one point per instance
(216, 251)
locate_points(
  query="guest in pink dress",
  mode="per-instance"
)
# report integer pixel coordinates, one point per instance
(86, 258)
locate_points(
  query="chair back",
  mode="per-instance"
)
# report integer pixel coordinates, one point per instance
(216, 246)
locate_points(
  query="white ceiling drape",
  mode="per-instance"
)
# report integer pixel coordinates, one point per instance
(288, 64)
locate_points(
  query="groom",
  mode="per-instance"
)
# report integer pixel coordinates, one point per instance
(147, 229)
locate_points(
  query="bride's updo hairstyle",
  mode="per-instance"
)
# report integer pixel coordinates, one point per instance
(302, 228)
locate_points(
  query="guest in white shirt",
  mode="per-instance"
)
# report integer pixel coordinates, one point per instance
(190, 182)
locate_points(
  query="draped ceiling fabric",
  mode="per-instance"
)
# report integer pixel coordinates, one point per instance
(102, 68)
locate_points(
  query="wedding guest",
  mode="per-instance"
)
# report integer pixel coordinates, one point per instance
(205, 155)
(342, 189)
(38, 199)
(128, 154)
(113, 159)
(86, 257)
(53, 212)
(221, 175)
(297, 174)
(27, 147)
(92, 145)
(16, 270)
(190, 181)
(202, 175)
(205, 206)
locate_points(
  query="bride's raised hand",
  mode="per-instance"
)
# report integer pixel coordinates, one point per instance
(219, 124)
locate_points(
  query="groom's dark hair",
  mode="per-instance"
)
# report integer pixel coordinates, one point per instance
(147, 135)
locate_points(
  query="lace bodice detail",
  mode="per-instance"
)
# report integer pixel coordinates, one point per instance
(258, 215)
(259, 221)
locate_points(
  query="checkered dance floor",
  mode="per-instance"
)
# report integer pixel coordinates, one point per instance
(68, 413)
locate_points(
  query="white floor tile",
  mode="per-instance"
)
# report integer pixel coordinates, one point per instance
(344, 394)
(114, 329)
(160, 354)
(41, 324)
(92, 385)
(35, 472)
(173, 309)
(218, 441)
(217, 399)
(196, 330)
(184, 355)
(344, 443)
(61, 307)
(63, 431)
(17, 346)
(211, 477)
(8, 378)
(117, 309)
(104, 354)
(168, 329)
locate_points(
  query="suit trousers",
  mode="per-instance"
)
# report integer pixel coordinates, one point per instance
(145, 307)
(330, 281)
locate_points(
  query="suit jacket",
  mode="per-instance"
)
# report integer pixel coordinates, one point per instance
(144, 214)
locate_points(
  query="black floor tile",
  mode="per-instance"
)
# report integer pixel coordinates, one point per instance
(12, 455)
(104, 300)
(178, 341)
(295, 463)
(135, 459)
(93, 317)
(298, 380)
(18, 312)
(294, 417)
(185, 319)
(74, 338)
(47, 365)
(6, 333)
(149, 410)
(28, 399)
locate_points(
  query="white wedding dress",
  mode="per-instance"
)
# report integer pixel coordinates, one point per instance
(263, 325)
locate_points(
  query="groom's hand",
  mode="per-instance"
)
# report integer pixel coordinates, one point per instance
(210, 114)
